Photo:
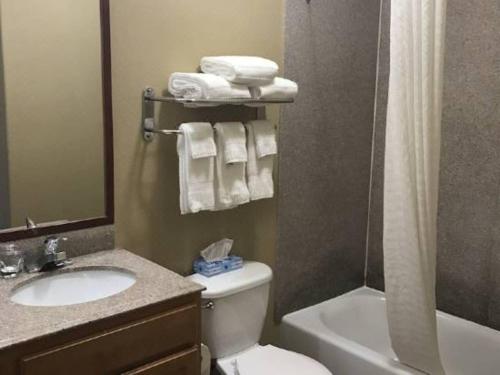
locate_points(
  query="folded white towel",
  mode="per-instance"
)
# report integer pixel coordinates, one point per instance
(234, 141)
(196, 150)
(230, 183)
(280, 88)
(248, 70)
(264, 137)
(205, 86)
(259, 170)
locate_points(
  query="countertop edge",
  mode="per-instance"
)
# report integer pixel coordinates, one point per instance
(144, 294)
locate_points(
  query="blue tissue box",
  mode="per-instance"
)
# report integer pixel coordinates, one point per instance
(232, 262)
(208, 269)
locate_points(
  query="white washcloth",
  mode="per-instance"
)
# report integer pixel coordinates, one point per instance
(201, 139)
(234, 141)
(205, 86)
(265, 138)
(280, 88)
(196, 150)
(247, 70)
(230, 183)
(259, 170)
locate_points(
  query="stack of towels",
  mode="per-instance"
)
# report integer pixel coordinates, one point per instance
(225, 166)
(233, 77)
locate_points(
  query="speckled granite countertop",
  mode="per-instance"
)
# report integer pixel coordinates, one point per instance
(154, 284)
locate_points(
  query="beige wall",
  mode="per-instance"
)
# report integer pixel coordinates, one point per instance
(150, 40)
(4, 162)
(52, 69)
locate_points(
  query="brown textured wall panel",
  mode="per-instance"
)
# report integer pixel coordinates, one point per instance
(325, 147)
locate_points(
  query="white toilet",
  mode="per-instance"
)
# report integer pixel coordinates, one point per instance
(234, 310)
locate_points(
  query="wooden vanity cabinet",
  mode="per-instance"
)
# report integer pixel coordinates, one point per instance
(160, 339)
(179, 364)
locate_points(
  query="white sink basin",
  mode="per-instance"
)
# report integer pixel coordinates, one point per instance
(72, 287)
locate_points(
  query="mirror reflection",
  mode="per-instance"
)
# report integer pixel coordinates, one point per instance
(51, 112)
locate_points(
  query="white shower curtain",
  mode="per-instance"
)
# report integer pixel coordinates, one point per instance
(411, 179)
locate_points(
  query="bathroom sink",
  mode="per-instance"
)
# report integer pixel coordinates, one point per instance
(72, 287)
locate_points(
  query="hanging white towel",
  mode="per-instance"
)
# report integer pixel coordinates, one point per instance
(280, 88)
(205, 86)
(247, 70)
(234, 141)
(230, 183)
(259, 170)
(196, 150)
(265, 138)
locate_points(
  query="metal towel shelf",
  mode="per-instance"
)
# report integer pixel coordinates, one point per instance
(149, 98)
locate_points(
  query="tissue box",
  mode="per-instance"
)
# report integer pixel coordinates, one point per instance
(208, 269)
(232, 262)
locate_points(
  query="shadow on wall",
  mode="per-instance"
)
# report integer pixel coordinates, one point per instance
(160, 193)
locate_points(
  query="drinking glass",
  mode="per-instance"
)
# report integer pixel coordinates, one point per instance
(11, 260)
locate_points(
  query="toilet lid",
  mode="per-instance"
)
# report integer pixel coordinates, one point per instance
(270, 360)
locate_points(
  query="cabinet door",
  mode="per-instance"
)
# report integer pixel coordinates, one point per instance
(184, 363)
(122, 348)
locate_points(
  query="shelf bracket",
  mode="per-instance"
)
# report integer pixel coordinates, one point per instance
(148, 114)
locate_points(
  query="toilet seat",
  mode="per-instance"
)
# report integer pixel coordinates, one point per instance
(270, 360)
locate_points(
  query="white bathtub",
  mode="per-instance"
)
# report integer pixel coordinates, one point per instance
(349, 335)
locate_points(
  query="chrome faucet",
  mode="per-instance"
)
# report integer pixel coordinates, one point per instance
(30, 224)
(51, 256)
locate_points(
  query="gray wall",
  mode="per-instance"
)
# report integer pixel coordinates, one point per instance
(468, 274)
(325, 147)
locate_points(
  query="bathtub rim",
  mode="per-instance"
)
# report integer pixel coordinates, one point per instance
(372, 292)
(319, 330)
(309, 322)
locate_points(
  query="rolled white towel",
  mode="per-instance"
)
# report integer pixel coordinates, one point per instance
(280, 88)
(247, 70)
(205, 86)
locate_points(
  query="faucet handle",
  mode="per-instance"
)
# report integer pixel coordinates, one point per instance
(52, 244)
(52, 257)
(30, 224)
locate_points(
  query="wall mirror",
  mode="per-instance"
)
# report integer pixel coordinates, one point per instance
(56, 156)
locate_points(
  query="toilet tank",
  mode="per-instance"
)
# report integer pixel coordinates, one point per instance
(239, 308)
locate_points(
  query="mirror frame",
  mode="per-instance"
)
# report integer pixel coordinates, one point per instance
(12, 235)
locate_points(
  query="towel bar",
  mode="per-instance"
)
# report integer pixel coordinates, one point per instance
(149, 98)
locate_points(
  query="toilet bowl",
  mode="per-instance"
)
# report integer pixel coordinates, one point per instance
(234, 310)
